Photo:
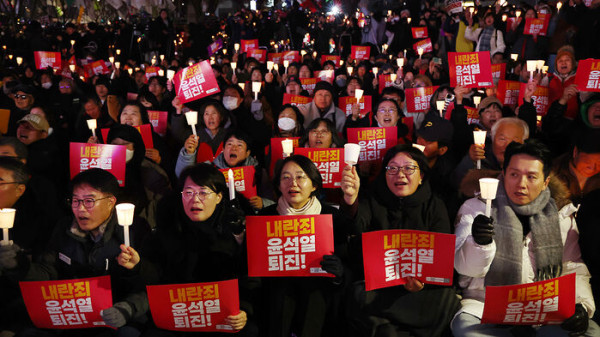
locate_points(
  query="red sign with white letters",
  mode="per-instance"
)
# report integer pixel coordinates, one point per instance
(470, 70)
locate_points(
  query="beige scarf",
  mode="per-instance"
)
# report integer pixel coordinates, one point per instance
(313, 206)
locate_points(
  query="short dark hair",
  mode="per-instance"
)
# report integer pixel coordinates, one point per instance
(533, 148)
(143, 112)
(17, 145)
(400, 112)
(204, 174)
(307, 166)
(393, 91)
(19, 171)
(220, 109)
(237, 88)
(414, 153)
(239, 134)
(98, 179)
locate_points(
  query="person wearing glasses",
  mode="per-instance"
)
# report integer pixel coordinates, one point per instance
(200, 237)
(87, 244)
(387, 113)
(399, 198)
(24, 100)
(305, 306)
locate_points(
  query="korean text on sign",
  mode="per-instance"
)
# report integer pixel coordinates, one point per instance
(550, 301)
(195, 82)
(587, 77)
(288, 245)
(391, 256)
(67, 304)
(470, 69)
(104, 156)
(417, 99)
(373, 141)
(243, 178)
(328, 162)
(194, 306)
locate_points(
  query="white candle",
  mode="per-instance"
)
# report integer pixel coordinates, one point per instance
(558, 5)
(231, 184)
(72, 67)
(400, 62)
(162, 57)
(358, 93)
(488, 188)
(72, 43)
(256, 89)
(170, 74)
(420, 52)
(303, 52)
(409, 20)
(545, 69)
(393, 77)
(384, 48)
(117, 65)
(531, 65)
(350, 69)
(192, 120)
(236, 47)
(341, 63)
(420, 147)
(479, 139)
(118, 51)
(92, 125)
(540, 64)
(351, 153)
(7, 220)
(125, 213)
(288, 147)
(269, 65)
(161, 72)
(286, 63)
(130, 71)
(111, 59)
(19, 60)
(440, 106)
(375, 70)
(476, 100)
(233, 65)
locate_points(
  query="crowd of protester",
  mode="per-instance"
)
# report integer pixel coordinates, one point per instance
(187, 230)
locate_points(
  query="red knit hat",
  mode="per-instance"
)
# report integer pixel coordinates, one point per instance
(565, 50)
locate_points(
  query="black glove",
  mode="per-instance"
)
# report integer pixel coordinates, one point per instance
(482, 229)
(333, 265)
(548, 272)
(117, 315)
(234, 218)
(8, 256)
(577, 324)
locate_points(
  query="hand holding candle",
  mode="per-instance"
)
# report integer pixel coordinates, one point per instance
(358, 93)
(479, 139)
(7, 220)
(125, 213)
(192, 120)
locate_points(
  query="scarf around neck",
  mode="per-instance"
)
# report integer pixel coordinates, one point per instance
(312, 207)
(542, 213)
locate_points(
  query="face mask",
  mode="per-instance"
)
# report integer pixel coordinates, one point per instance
(230, 103)
(340, 82)
(47, 85)
(128, 155)
(286, 123)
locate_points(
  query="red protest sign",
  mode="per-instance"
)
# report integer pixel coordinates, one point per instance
(535, 26)
(296, 99)
(539, 97)
(392, 255)
(95, 68)
(243, 178)
(508, 92)
(67, 304)
(248, 45)
(499, 71)
(419, 32)
(330, 163)
(587, 77)
(509, 23)
(214, 47)
(417, 99)
(151, 72)
(470, 70)
(334, 58)
(194, 306)
(277, 151)
(472, 113)
(374, 142)
(360, 52)
(288, 245)
(195, 82)
(385, 81)
(291, 55)
(309, 84)
(425, 45)
(259, 54)
(544, 302)
(275, 57)
(158, 119)
(345, 103)
(105, 156)
(45, 59)
(325, 75)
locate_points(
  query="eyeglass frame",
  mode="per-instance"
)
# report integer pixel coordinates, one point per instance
(288, 180)
(24, 96)
(407, 170)
(202, 195)
(319, 132)
(70, 201)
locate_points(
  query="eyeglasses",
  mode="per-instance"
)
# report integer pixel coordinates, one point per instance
(65, 87)
(202, 195)
(407, 170)
(320, 132)
(87, 202)
(21, 96)
(387, 111)
(289, 179)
